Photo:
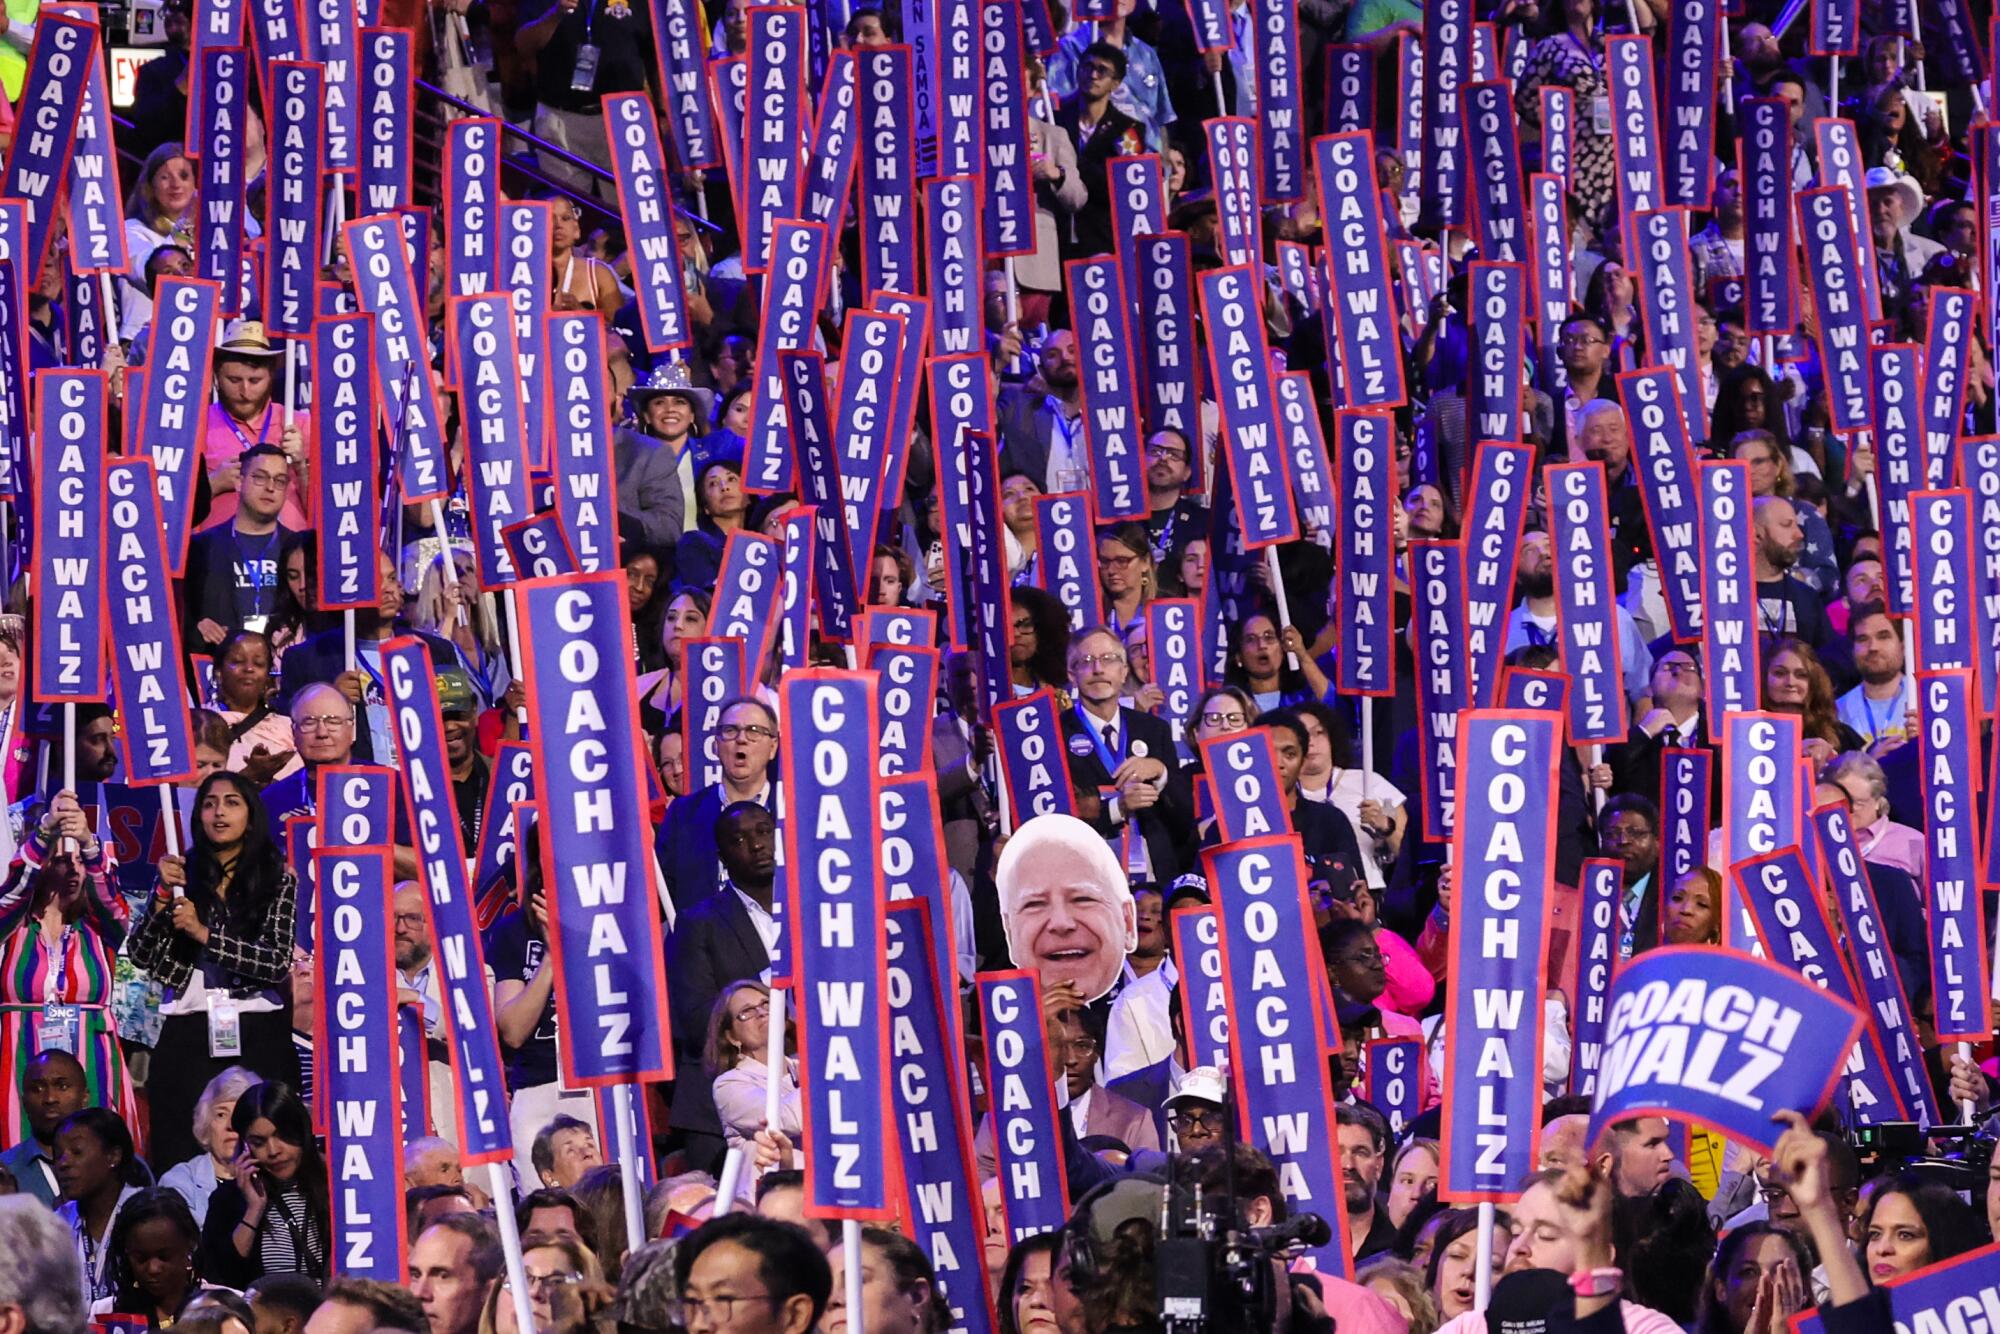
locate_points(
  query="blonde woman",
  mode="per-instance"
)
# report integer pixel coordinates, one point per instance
(739, 1030)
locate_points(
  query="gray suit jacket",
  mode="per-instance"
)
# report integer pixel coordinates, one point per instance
(649, 487)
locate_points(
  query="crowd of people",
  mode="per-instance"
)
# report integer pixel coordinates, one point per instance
(158, 1127)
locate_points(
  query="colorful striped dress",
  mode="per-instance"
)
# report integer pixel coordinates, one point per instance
(82, 956)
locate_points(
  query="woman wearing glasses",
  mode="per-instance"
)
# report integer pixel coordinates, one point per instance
(739, 1031)
(217, 933)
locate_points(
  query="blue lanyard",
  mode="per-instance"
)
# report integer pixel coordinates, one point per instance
(1109, 758)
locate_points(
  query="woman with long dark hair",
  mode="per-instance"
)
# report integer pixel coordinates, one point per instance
(1038, 647)
(98, 1170)
(217, 934)
(156, 1259)
(273, 1218)
(1912, 1223)
(61, 922)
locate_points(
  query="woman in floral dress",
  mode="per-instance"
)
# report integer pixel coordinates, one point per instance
(61, 922)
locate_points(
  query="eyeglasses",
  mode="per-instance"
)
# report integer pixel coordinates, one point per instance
(744, 732)
(1580, 340)
(409, 919)
(1195, 1118)
(1117, 562)
(761, 1010)
(1102, 68)
(1266, 639)
(713, 1311)
(1224, 720)
(1100, 659)
(1174, 452)
(262, 478)
(546, 1282)
(324, 722)
(1677, 667)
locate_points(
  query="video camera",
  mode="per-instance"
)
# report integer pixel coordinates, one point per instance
(1214, 1272)
(1903, 1146)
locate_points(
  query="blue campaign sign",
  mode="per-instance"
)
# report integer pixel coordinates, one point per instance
(1033, 764)
(1278, 1062)
(60, 60)
(525, 231)
(1503, 475)
(774, 123)
(1956, 1296)
(1721, 1040)
(346, 475)
(1833, 271)
(1596, 960)
(1443, 674)
(152, 695)
(1760, 803)
(1243, 774)
(1728, 589)
(471, 1037)
(1957, 909)
(1685, 784)
(934, 1119)
(833, 794)
(1901, 465)
(1371, 359)
(580, 436)
(1663, 458)
(1586, 601)
(1503, 848)
(1020, 1085)
(597, 849)
(1390, 1079)
(1204, 998)
(481, 329)
(906, 681)
(645, 199)
(1240, 362)
(1363, 553)
(354, 958)
(69, 532)
(387, 289)
(1941, 560)
(888, 170)
(293, 215)
(1867, 944)
(1784, 898)
(388, 105)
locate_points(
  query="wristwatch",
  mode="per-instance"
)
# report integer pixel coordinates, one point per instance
(1596, 1282)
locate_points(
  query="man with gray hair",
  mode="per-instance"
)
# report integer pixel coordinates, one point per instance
(1066, 906)
(41, 1281)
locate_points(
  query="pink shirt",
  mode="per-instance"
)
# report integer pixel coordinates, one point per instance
(1892, 844)
(224, 442)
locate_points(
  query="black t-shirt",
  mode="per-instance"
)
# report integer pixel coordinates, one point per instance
(623, 36)
(253, 572)
(514, 953)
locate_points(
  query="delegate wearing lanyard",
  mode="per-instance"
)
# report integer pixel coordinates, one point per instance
(1137, 860)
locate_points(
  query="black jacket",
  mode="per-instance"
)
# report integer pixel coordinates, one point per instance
(712, 944)
(1116, 135)
(1168, 826)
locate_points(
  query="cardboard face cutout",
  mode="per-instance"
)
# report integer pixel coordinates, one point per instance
(1066, 905)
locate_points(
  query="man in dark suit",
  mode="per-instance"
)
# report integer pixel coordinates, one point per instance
(746, 740)
(322, 660)
(727, 937)
(1100, 132)
(233, 568)
(1676, 720)
(1111, 746)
